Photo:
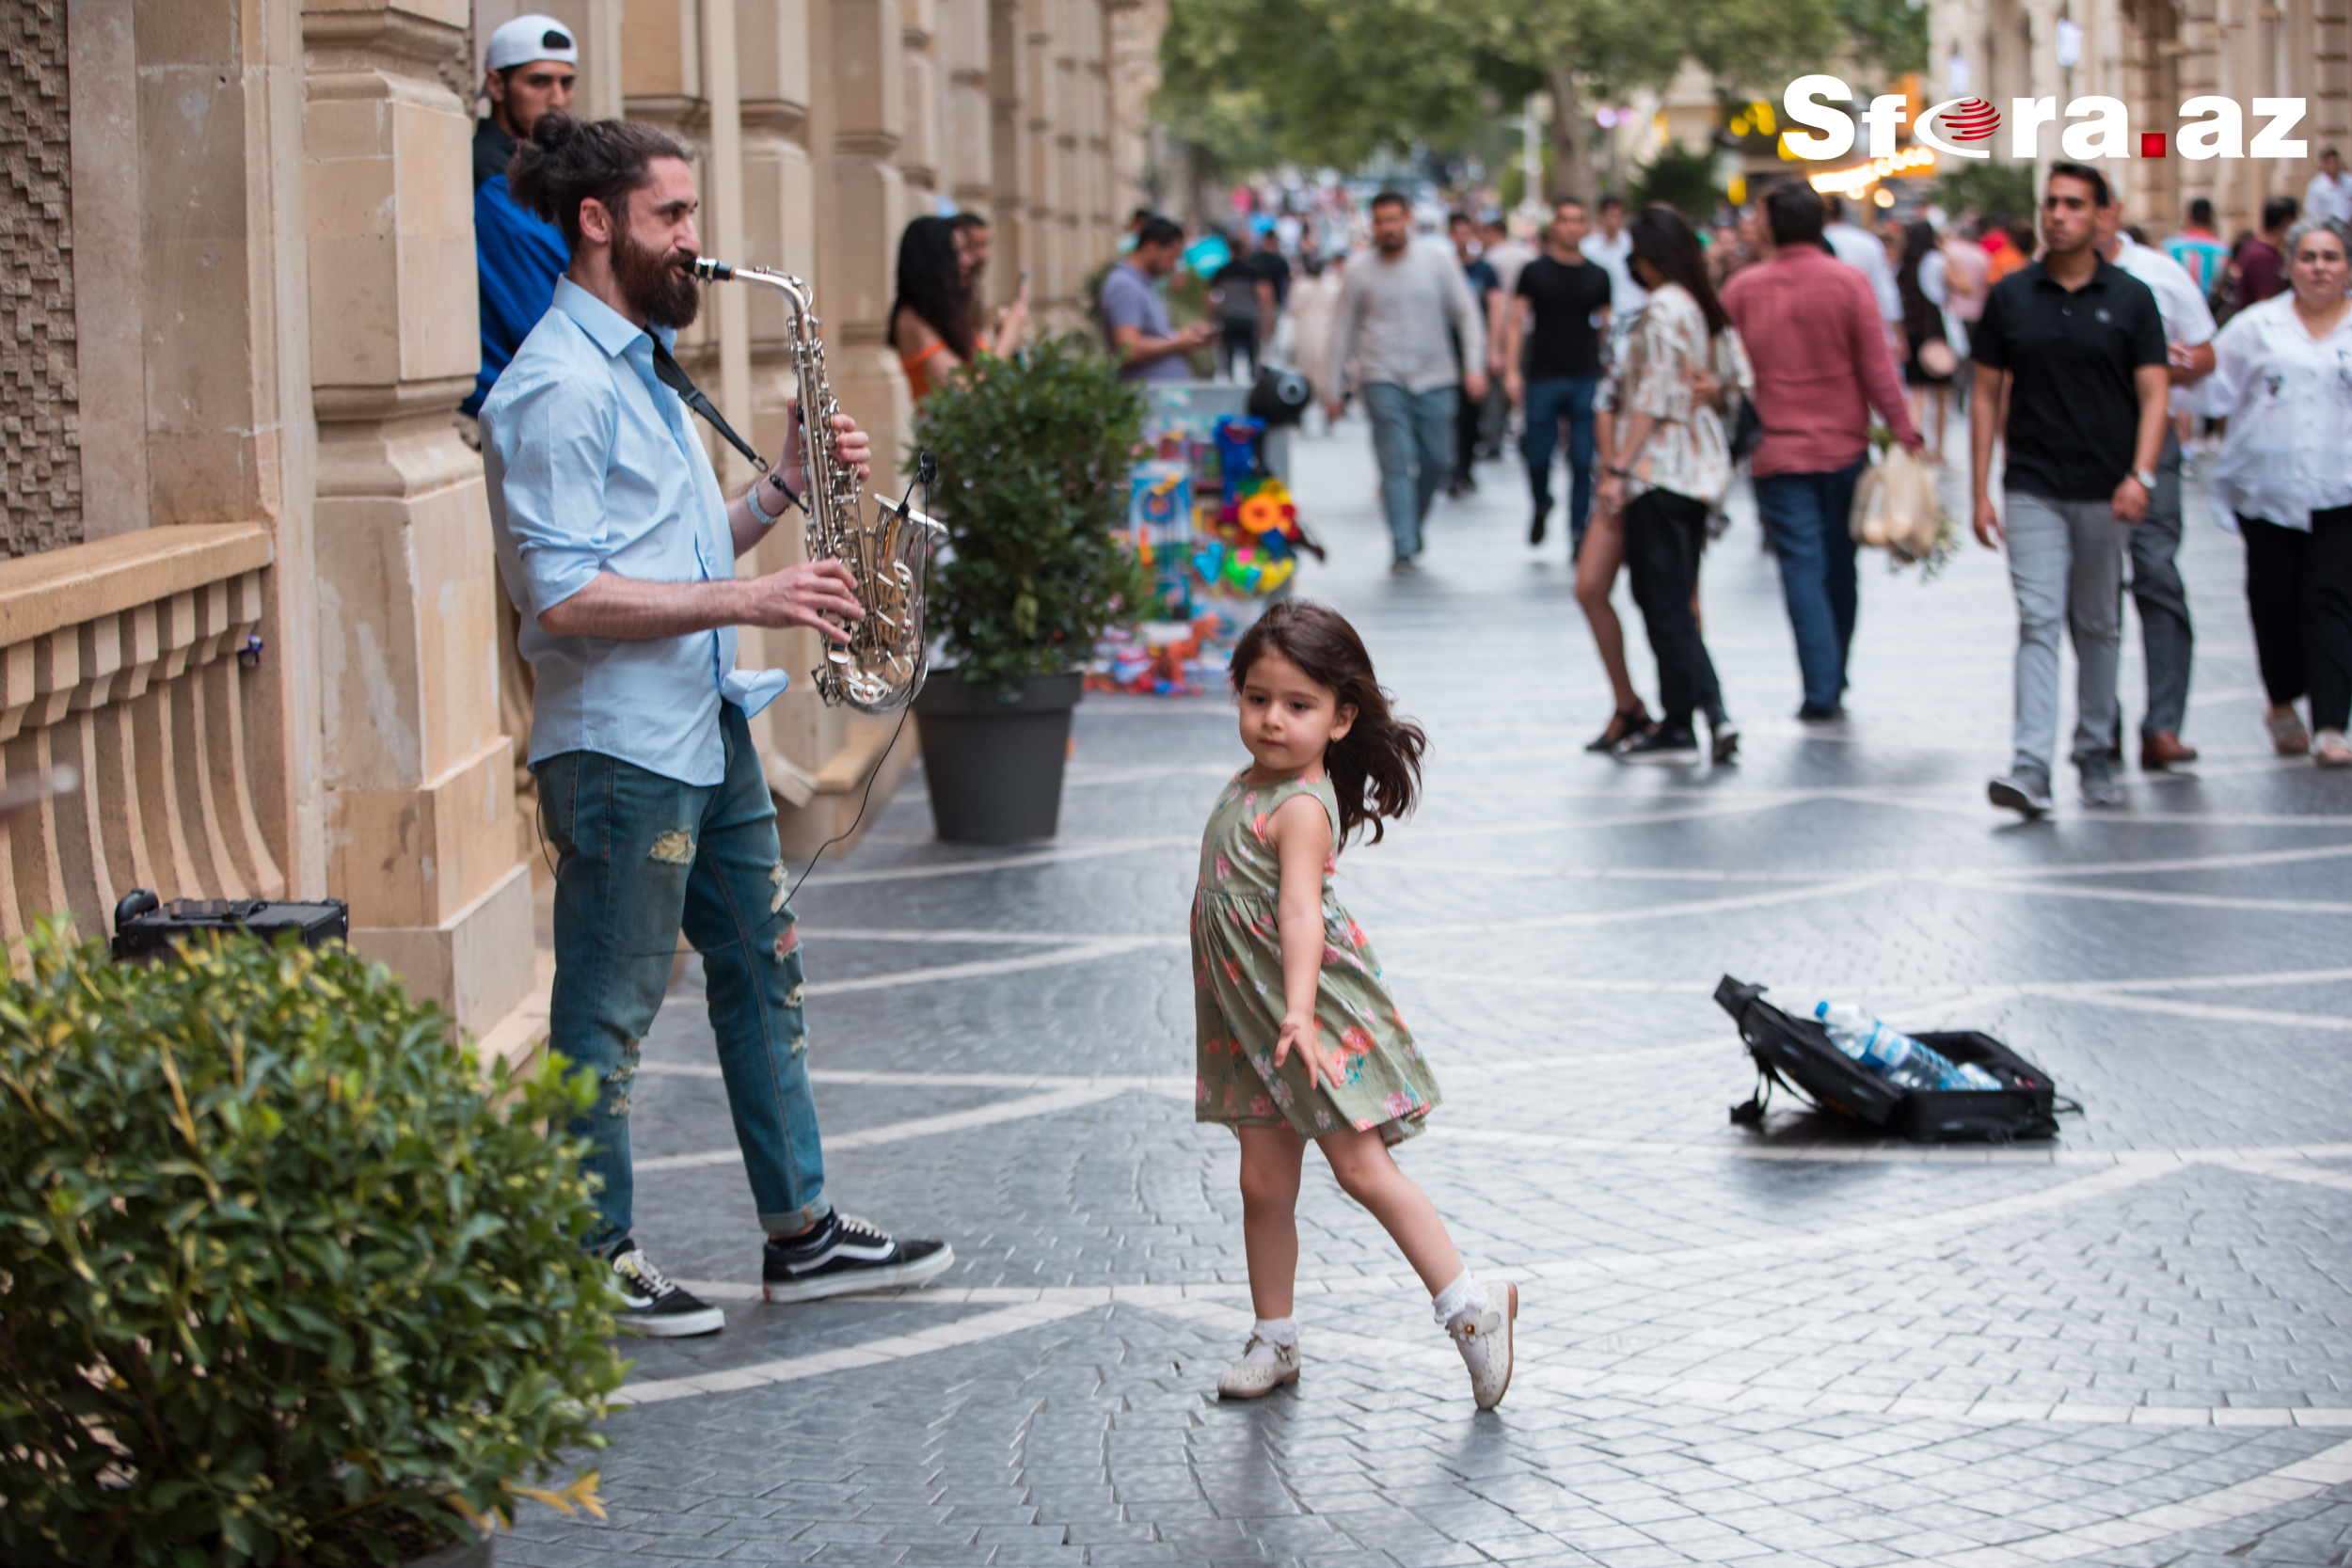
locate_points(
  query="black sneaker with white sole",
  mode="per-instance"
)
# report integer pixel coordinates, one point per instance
(843, 1255)
(652, 1305)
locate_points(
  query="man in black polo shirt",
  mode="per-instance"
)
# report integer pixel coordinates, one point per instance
(2081, 344)
(1569, 298)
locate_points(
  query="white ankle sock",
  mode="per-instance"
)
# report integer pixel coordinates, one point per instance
(1465, 1295)
(1271, 1332)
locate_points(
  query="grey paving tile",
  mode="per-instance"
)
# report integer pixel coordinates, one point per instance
(1553, 923)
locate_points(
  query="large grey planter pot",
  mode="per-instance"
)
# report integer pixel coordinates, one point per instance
(465, 1554)
(993, 756)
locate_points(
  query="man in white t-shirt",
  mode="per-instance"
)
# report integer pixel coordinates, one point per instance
(2156, 586)
(1612, 248)
(2329, 194)
(1866, 254)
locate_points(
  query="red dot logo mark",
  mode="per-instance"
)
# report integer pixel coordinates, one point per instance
(1971, 119)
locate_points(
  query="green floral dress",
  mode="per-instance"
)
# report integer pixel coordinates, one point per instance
(1238, 1003)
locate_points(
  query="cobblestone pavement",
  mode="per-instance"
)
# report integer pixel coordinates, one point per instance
(2129, 1347)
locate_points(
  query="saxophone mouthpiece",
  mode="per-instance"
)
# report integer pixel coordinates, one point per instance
(712, 268)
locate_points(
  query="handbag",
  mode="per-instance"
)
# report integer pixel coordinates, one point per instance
(1895, 505)
(1747, 430)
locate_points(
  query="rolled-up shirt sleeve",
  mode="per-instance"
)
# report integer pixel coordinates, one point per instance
(553, 443)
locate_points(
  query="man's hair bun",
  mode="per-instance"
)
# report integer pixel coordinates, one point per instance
(564, 162)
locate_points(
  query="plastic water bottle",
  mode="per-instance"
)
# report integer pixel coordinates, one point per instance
(1895, 1055)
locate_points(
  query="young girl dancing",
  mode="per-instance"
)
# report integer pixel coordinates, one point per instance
(1298, 1039)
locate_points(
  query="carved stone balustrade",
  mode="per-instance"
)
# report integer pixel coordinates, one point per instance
(120, 660)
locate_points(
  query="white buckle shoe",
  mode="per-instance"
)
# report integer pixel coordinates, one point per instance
(1485, 1345)
(1254, 1379)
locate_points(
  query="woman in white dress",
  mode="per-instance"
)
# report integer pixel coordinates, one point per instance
(2283, 378)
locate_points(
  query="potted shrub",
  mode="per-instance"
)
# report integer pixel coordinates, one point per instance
(283, 1278)
(1033, 459)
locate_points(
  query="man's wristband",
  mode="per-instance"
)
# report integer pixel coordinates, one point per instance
(2147, 477)
(751, 499)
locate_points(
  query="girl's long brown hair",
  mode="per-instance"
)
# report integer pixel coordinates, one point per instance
(1375, 767)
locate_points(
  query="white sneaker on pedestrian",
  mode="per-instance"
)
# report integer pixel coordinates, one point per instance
(1483, 1337)
(1249, 1379)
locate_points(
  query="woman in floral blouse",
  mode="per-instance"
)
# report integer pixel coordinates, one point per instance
(1670, 466)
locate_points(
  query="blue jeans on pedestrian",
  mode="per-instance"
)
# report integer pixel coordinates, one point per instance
(1806, 517)
(1412, 435)
(640, 857)
(1549, 402)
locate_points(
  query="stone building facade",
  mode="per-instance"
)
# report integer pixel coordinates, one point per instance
(2154, 55)
(253, 604)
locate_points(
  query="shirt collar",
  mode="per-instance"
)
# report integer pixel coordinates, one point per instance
(2040, 272)
(611, 331)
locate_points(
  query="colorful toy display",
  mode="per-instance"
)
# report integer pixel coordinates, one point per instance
(1213, 525)
(1254, 547)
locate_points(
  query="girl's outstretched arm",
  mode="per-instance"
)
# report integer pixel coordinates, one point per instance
(1301, 834)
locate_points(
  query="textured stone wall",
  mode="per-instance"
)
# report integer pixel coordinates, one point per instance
(39, 450)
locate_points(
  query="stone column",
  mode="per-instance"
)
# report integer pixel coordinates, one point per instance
(418, 775)
(1042, 171)
(1008, 142)
(921, 152)
(226, 353)
(970, 172)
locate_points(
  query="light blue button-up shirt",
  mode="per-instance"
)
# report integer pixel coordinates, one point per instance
(593, 468)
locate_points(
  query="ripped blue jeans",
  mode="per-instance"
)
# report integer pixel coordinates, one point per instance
(641, 857)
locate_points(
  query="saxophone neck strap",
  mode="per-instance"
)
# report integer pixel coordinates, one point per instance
(672, 374)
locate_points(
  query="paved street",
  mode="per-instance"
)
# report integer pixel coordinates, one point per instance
(2129, 1347)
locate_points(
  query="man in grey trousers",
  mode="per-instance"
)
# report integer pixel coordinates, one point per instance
(2080, 344)
(2166, 636)
(1394, 308)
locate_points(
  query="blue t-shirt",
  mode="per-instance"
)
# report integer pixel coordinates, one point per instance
(1130, 300)
(520, 256)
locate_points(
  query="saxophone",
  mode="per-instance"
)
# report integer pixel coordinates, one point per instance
(883, 664)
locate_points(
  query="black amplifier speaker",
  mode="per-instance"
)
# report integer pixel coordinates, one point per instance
(145, 926)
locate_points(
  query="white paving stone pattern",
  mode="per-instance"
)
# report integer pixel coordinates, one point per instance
(2130, 1346)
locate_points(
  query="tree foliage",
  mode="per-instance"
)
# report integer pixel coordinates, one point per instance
(1327, 82)
(282, 1277)
(1318, 82)
(1890, 35)
(1682, 180)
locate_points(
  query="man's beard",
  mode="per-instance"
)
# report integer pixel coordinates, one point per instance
(651, 284)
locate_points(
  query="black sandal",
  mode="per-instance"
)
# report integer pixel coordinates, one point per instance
(1623, 725)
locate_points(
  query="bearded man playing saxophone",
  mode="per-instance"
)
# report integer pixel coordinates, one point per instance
(618, 550)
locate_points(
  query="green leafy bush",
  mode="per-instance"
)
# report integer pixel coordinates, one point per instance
(1033, 459)
(282, 1277)
(1683, 180)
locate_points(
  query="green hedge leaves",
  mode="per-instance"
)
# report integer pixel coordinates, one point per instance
(283, 1278)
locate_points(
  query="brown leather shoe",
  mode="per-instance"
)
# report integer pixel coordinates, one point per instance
(2162, 750)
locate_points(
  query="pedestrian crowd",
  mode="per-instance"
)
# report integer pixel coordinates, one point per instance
(1790, 341)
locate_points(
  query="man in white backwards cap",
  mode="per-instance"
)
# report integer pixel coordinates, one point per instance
(528, 70)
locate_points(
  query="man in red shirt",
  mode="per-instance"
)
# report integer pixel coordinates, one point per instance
(1812, 330)
(2262, 266)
